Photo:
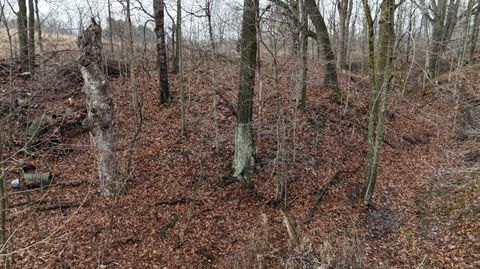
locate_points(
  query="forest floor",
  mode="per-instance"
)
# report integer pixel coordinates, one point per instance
(183, 210)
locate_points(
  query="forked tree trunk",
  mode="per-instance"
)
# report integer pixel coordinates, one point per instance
(323, 39)
(158, 6)
(22, 34)
(244, 156)
(99, 108)
(380, 72)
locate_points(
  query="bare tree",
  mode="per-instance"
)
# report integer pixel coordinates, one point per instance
(158, 6)
(474, 34)
(99, 108)
(39, 31)
(443, 16)
(180, 67)
(31, 36)
(323, 40)
(380, 65)
(244, 156)
(22, 34)
(345, 13)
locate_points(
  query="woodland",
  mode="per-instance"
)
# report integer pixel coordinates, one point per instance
(239, 134)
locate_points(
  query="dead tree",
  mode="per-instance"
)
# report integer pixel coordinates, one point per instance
(99, 107)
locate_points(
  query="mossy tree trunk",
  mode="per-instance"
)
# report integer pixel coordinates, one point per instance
(158, 6)
(244, 156)
(99, 108)
(380, 72)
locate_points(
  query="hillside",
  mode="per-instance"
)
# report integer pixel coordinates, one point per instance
(183, 210)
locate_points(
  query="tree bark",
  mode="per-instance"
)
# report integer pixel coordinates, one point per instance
(443, 22)
(380, 60)
(31, 36)
(158, 6)
(474, 35)
(244, 156)
(345, 12)
(39, 32)
(180, 67)
(22, 34)
(99, 108)
(323, 39)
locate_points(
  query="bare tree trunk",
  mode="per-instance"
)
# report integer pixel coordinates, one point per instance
(180, 67)
(3, 206)
(176, 45)
(302, 70)
(443, 22)
(323, 39)
(345, 12)
(110, 29)
(22, 34)
(99, 108)
(158, 6)
(208, 11)
(474, 35)
(39, 31)
(31, 36)
(465, 35)
(244, 157)
(132, 63)
(378, 99)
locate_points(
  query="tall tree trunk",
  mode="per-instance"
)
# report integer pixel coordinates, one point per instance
(110, 28)
(3, 206)
(180, 67)
(39, 32)
(465, 35)
(345, 12)
(132, 63)
(31, 36)
(213, 52)
(22, 34)
(378, 99)
(443, 22)
(158, 6)
(99, 108)
(176, 45)
(474, 35)
(323, 39)
(302, 70)
(244, 156)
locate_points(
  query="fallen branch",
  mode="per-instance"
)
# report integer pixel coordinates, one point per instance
(178, 201)
(321, 193)
(292, 232)
(58, 206)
